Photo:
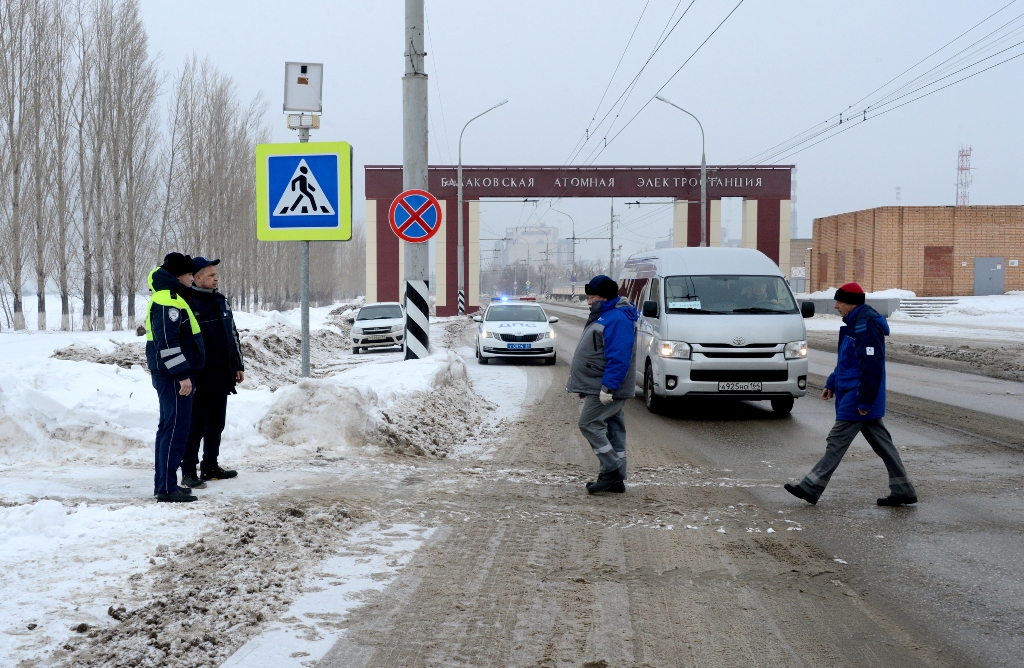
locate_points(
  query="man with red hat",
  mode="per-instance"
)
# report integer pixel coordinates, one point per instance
(858, 385)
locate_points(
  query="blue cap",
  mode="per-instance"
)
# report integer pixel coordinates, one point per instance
(202, 262)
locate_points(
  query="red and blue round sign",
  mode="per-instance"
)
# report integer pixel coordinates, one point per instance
(415, 216)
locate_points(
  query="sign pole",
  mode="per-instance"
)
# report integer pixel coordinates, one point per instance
(415, 176)
(304, 307)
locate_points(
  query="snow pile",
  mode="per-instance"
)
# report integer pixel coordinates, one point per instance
(272, 353)
(417, 407)
(243, 570)
(61, 567)
(891, 293)
(124, 355)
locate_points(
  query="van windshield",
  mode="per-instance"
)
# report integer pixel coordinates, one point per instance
(728, 294)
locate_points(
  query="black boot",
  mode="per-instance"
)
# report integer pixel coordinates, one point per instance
(799, 493)
(218, 474)
(177, 496)
(897, 500)
(605, 482)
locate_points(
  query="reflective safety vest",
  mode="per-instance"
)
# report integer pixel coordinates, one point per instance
(165, 298)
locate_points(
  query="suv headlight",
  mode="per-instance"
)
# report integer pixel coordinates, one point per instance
(397, 328)
(357, 331)
(676, 349)
(796, 350)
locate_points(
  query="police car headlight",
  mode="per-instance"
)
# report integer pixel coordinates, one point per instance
(397, 328)
(548, 335)
(676, 349)
(487, 335)
(796, 350)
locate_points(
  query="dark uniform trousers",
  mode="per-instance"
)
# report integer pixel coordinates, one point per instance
(208, 416)
(171, 432)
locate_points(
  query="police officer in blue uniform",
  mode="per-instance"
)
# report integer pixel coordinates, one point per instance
(174, 354)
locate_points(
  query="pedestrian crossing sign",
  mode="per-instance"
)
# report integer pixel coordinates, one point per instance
(304, 192)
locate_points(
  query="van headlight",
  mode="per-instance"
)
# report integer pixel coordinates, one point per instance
(796, 350)
(676, 349)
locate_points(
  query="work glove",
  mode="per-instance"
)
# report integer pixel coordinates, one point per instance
(606, 396)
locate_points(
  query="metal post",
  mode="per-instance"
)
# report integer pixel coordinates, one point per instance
(611, 242)
(703, 176)
(415, 175)
(462, 272)
(304, 304)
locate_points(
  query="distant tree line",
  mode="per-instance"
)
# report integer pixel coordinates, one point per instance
(106, 164)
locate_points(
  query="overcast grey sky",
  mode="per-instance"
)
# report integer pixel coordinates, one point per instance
(774, 69)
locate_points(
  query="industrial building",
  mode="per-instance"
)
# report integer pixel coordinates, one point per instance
(935, 251)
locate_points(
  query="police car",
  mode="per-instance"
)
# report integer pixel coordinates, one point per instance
(513, 328)
(379, 325)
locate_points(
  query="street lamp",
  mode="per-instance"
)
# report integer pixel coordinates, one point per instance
(461, 263)
(703, 176)
(572, 276)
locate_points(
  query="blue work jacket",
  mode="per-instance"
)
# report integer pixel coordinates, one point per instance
(859, 377)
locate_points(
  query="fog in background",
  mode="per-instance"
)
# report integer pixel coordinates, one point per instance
(772, 70)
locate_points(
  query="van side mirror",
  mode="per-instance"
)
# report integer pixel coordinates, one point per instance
(650, 309)
(477, 318)
(807, 309)
(552, 318)
(350, 321)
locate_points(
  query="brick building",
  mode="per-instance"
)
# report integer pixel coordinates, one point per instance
(932, 250)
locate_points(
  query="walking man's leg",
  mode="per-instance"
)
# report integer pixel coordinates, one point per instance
(617, 437)
(837, 443)
(880, 440)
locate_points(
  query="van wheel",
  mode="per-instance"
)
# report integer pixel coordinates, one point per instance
(783, 405)
(654, 403)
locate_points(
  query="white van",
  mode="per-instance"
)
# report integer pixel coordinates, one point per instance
(718, 322)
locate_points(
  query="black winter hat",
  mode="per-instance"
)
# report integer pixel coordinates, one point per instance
(602, 286)
(178, 264)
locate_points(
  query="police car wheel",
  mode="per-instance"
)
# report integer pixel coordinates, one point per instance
(550, 361)
(483, 360)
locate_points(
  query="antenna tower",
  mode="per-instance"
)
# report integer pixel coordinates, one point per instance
(963, 176)
(898, 193)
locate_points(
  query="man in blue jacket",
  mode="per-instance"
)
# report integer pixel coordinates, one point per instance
(858, 385)
(174, 354)
(603, 373)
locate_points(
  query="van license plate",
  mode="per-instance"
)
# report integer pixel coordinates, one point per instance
(739, 387)
(519, 346)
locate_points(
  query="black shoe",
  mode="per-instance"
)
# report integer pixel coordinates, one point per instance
(896, 500)
(192, 481)
(218, 474)
(617, 488)
(177, 496)
(605, 482)
(800, 493)
(187, 490)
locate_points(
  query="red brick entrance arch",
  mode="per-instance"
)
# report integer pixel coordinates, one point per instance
(766, 212)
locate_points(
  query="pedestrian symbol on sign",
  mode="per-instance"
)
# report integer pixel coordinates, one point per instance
(303, 196)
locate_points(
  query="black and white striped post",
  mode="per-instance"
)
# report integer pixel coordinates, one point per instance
(417, 320)
(462, 302)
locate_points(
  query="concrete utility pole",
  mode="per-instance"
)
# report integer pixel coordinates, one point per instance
(461, 265)
(703, 176)
(415, 176)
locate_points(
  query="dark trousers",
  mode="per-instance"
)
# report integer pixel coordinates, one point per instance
(208, 415)
(171, 432)
(838, 442)
(604, 427)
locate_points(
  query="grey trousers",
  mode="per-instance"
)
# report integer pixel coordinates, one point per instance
(838, 442)
(604, 427)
